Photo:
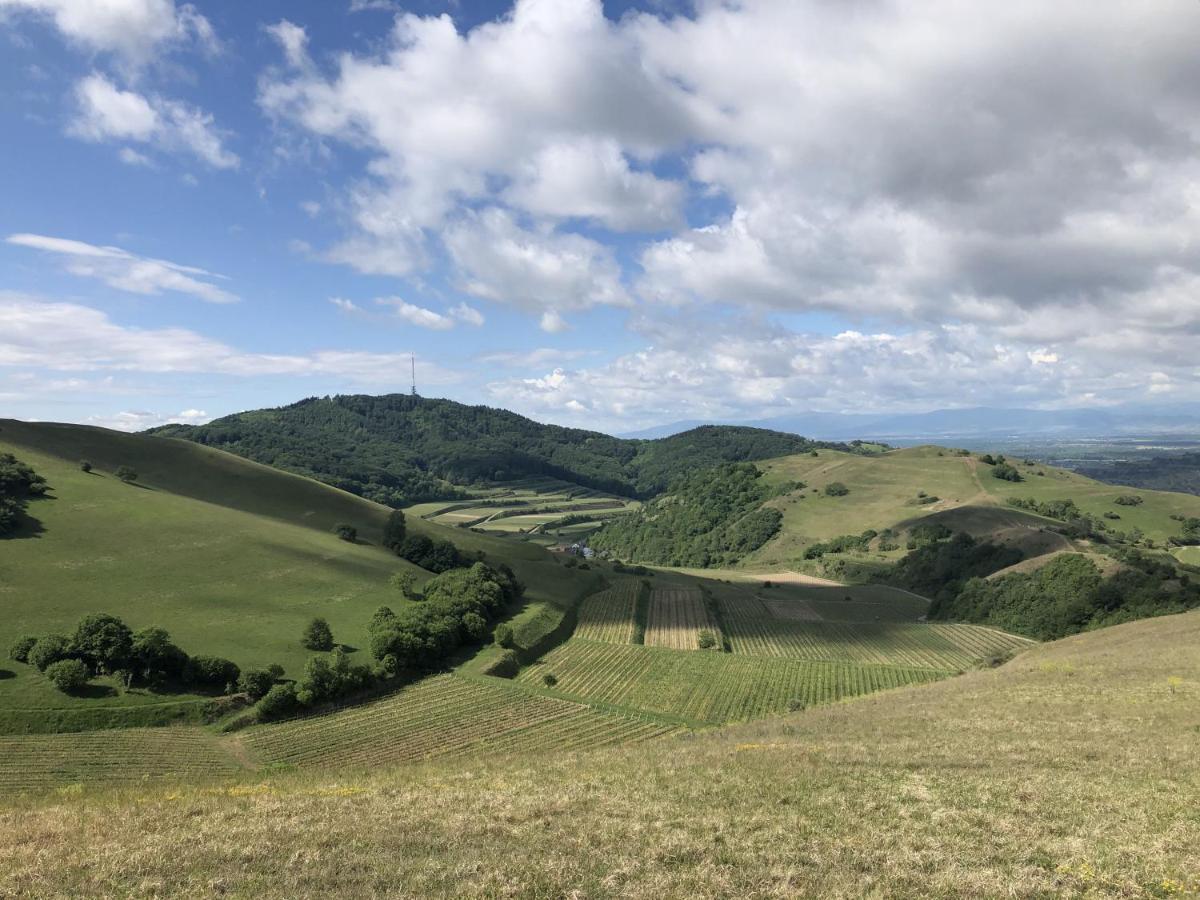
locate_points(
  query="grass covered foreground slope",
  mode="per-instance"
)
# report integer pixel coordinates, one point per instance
(233, 558)
(1070, 771)
(400, 449)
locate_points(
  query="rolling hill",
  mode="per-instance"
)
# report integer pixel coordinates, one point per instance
(400, 449)
(1069, 771)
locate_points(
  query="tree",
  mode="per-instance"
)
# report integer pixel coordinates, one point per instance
(318, 635)
(126, 474)
(1005, 472)
(85, 465)
(394, 530)
(706, 640)
(104, 641)
(255, 683)
(155, 658)
(68, 675)
(278, 702)
(48, 650)
(20, 648)
(403, 582)
(346, 532)
(549, 679)
(213, 672)
(503, 635)
(836, 489)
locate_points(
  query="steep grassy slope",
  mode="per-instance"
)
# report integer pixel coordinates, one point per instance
(232, 557)
(1069, 772)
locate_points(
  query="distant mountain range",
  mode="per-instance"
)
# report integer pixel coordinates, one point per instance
(969, 424)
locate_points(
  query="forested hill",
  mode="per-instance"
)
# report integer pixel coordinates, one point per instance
(399, 449)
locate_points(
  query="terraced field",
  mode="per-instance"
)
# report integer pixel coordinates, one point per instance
(38, 762)
(609, 615)
(709, 687)
(753, 630)
(441, 716)
(676, 618)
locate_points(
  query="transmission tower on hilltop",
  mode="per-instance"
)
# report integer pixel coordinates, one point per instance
(413, 357)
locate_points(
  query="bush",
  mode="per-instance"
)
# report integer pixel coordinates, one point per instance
(836, 489)
(1005, 472)
(21, 647)
(47, 651)
(256, 683)
(126, 474)
(549, 679)
(1128, 500)
(68, 675)
(503, 635)
(346, 532)
(404, 583)
(155, 658)
(706, 640)
(795, 704)
(278, 702)
(103, 641)
(85, 465)
(318, 635)
(212, 671)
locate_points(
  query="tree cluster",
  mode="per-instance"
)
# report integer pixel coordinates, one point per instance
(18, 482)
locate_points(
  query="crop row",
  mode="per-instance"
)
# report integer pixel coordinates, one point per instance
(946, 647)
(443, 715)
(676, 617)
(609, 615)
(709, 687)
(39, 761)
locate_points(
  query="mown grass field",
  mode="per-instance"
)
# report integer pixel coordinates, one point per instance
(1068, 772)
(237, 574)
(884, 493)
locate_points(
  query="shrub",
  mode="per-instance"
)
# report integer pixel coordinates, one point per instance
(276, 670)
(394, 530)
(549, 679)
(126, 474)
(795, 704)
(155, 658)
(706, 640)
(503, 635)
(836, 489)
(256, 683)
(104, 641)
(1005, 472)
(1128, 500)
(68, 675)
(47, 651)
(21, 647)
(318, 635)
(85, 465)
(278, 702)
(475, 626)
(403, 582)
(346, 532)
(212, 671)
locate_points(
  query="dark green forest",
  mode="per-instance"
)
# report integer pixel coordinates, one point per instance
(399, 449)
(707, 518)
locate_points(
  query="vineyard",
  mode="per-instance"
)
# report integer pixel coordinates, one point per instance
(41, 761)
(709, 688)
(677, 615)
(754, 631)
(440, 716)
(609, 615)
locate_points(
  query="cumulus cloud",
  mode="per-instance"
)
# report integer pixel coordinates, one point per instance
(105, 112)
(140, 420)
(132, 30)
(126, 271)
(417, 315)
(292, 39)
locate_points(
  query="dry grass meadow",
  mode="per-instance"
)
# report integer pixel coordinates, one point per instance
(1071, 771)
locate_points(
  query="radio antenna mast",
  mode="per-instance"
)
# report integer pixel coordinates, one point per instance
(413, 357)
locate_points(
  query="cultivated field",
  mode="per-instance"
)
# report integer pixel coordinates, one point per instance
(444, 715)
(708, 687)
(676, 617)
(609, 615)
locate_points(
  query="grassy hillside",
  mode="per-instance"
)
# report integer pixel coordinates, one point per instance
(400, 449)
(232, 557)
(1070, 771)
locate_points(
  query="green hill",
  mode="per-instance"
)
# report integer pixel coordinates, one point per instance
(400, 449)
(1070, 771)
(233, 558)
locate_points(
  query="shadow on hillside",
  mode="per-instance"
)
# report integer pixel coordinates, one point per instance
(28, 526)
(6, 674)
(95, 692)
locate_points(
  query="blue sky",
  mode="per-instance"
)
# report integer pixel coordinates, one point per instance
(601, 215)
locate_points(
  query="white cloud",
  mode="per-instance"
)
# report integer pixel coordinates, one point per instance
(140, 420)
(105, 112)
(467, 314)
(417, 315)
(292, 39)
(311, 208)
(69, 337)
(345, 305)
(131, 157)
(548, 273)
(132, 30)
(126, 271)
